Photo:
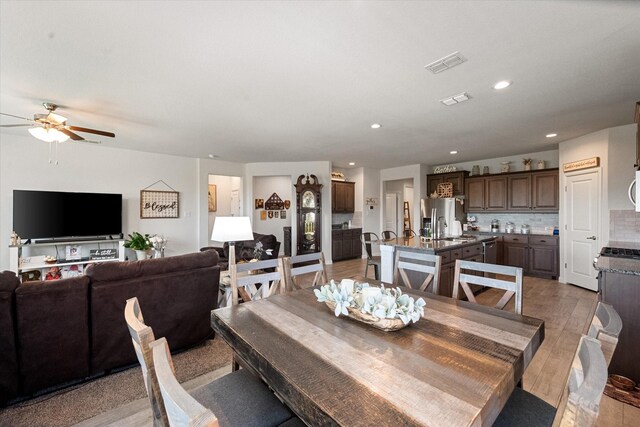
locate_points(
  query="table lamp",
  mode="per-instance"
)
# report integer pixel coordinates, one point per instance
(231, 229)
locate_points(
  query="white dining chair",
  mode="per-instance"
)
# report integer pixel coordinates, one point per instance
(256, 280)
(463, 277)
(304, 264)
(420, 262)
(606, 326)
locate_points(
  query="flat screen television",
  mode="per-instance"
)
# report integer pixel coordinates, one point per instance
(55, 214)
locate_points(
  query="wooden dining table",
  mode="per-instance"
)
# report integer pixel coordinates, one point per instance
(456, 366)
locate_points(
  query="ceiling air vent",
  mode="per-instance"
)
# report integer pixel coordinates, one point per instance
(445, 63)
(456, 99)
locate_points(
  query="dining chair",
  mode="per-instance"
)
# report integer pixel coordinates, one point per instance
(420, 262)
(388, 235)
(580, 403)
(221, 395)
(367, 240)
(605, 327)
(142, 337)
(304, 264)
(255, 280)
(408, 233)
(461, 280)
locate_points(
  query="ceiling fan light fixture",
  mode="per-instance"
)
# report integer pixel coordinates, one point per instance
(48, 135)
(57, 118)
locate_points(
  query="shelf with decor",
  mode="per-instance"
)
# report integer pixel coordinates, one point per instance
(30, 257)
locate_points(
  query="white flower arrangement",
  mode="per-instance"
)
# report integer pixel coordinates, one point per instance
(378, 302)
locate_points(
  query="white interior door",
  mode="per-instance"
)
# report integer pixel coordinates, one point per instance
(582, 195)
(235, 203)
(391, 212)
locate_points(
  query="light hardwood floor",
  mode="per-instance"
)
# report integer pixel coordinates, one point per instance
(567, 311)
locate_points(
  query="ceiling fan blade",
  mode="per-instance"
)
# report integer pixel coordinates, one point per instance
(71, 135)
(90, 141)
(15, 126)
(17, 117)
(97, 132)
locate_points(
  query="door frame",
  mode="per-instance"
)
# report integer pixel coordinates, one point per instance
(564, 220)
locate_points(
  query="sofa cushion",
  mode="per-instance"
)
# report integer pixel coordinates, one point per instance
(53, 324)
(244, 250)
(176, 296)
(8, 356)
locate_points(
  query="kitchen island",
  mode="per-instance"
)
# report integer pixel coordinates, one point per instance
(468, 248)
(619, 285)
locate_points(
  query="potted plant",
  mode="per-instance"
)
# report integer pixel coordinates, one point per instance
(139, 243)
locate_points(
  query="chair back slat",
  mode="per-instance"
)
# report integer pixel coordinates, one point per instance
(605, 327)
(182, 409)
(318, 267)
(388, 235)
(512, 289)
(367, 238)
(142, 337)
(417, 262)
(587, 379)
(244, 284)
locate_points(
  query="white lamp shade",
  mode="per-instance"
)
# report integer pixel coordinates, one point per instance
(231, 229)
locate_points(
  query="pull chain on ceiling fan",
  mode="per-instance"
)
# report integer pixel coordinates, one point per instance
(53, 128)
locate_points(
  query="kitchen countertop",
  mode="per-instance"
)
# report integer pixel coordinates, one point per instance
(619, 265)
(434, 245)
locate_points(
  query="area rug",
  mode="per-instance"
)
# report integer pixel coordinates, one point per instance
(77, 403)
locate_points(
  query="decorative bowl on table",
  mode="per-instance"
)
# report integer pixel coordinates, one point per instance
(50, 259)
(382, 308)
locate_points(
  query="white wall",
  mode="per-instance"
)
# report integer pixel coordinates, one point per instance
(418, 174)
(224, 186)
(263, 188)
(97, 168)
(622, 155)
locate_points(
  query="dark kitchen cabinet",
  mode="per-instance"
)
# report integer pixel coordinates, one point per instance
(455, 178)
(536, 255)
(545, 187)
(342, 197)
(345, 244)
(519, 191)
(486, 194)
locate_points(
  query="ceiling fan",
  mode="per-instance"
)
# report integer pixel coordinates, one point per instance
(53, 127)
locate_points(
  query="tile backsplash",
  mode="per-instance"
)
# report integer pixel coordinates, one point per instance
(537, 222)
(624, 226)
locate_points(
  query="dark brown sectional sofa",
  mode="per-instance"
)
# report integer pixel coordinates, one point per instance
(57, 332)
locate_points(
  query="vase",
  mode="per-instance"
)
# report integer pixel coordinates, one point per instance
(142, 254)
(527, 166)
(158, 253)
(540, 164)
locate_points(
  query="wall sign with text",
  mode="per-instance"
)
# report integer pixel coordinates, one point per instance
(159, 204)
(593, 162)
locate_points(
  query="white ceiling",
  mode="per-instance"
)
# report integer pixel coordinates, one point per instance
(297, 81)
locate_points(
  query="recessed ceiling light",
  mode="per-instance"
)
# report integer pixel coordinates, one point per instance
(352, 164)
(502, 84)
(376, 126)
(211, 156)
(453, 152)
(552, 135)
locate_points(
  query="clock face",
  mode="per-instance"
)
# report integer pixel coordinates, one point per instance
(308, 199)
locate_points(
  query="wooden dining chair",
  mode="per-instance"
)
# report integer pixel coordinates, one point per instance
(142, 337)
(235, 399)
(408, 233)
(419, 262)
(388, 235)
(462, 279)
(304, 264)
(580, 403)
(605, 327)
(367, 240)
(256, 280)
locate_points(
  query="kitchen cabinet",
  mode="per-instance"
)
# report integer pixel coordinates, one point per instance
(536, 255)
(622, 291)
(486, 194)
(342, 197)
(471, 252)
(345, 244)
(518, 192)
(455, 178)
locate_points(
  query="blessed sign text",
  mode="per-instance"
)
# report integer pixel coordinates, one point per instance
(159, 204)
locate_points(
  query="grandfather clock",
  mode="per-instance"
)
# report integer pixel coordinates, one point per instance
(309, 210)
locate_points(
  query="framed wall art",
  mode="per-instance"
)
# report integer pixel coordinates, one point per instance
(213, 198)
(159, 204)
(263, 215)
(259, 203)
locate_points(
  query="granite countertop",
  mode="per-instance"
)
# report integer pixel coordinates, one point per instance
(346, 228)
(619, 265)
(435, 245)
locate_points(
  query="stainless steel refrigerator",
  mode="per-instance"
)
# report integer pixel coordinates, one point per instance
(440, 215)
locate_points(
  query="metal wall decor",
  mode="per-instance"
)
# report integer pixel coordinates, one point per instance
(274, 203)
